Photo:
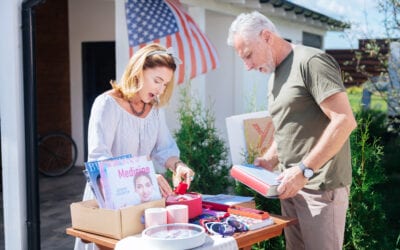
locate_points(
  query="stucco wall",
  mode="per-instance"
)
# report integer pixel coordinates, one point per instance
(89, 20)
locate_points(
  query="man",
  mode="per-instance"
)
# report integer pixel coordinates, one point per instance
(313, 121)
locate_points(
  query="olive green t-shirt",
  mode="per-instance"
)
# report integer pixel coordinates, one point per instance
(300, 83)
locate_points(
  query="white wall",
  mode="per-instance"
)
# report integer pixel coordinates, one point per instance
(89, 20)
(12, 126)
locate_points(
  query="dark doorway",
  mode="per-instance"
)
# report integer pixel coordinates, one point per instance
(98, 68)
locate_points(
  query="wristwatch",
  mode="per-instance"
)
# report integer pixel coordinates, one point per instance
(307, 172)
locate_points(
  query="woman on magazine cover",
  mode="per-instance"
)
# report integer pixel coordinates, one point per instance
(144, 187)
(129, 119)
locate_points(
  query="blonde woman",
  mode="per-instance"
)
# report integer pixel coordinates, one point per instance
(129, 119)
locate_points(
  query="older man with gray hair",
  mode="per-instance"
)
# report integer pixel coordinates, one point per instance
(313, 120)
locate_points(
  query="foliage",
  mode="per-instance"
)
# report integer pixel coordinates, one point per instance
(366, 219)
(379, 76)
(201, 148)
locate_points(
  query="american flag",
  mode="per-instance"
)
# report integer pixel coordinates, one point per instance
(166, 22)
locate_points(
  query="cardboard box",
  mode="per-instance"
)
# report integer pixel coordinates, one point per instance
(117, 224)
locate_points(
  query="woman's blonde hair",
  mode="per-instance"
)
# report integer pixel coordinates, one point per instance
(150, 56)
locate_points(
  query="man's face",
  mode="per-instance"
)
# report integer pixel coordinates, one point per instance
(255, 53)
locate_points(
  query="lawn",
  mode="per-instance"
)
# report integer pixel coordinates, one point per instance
(377, 99)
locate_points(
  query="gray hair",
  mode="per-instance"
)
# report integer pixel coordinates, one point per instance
(250, 25)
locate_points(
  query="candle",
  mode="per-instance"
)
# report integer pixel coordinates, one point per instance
(177, 213)
(155, 216)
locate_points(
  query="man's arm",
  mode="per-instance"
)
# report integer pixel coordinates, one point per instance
(342, 122)
(338, 109)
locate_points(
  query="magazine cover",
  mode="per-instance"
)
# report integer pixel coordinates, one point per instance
(92, 174)
(128, 181)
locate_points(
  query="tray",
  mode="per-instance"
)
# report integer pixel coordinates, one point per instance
(174, 236)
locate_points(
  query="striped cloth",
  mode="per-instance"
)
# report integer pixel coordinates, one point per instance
(166, 22)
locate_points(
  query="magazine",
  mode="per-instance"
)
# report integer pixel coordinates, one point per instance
(128, 181)
(92, 174)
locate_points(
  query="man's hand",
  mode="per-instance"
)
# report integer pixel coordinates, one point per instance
(264, 163)
(292, 180)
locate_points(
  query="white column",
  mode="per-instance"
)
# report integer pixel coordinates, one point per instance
(12, 126)
(121, 38)
(198, 83)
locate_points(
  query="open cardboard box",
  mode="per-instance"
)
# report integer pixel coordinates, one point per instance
(117, 224)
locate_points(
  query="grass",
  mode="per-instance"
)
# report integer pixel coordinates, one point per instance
(377, 100)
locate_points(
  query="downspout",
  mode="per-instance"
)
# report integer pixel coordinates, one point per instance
(29, 76)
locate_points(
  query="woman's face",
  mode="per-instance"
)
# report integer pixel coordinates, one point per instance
(155, 81)
(144, 188)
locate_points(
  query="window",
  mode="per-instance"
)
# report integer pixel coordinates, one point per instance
(312, 40)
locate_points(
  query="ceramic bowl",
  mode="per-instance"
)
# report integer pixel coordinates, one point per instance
(174, 236)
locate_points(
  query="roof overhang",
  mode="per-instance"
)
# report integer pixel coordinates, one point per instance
(272, 8)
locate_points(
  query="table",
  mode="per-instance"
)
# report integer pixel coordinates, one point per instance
(244, 240)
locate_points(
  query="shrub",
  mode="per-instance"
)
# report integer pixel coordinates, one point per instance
(201, 148)
(366, 220)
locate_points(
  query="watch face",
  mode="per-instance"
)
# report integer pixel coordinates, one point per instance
(308, 173)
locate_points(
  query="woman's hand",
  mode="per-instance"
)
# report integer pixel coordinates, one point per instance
(182, 173)
(164, 186)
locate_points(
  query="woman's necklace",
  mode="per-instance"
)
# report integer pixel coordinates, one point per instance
(135, 112)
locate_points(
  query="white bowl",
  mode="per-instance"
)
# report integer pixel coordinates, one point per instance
(174, 236)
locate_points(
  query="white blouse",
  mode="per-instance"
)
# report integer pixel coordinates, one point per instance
(113, 132)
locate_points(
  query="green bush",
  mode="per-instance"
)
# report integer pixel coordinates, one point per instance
(201, 148)
(366, 219)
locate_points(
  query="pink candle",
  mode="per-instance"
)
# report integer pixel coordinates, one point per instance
(155, 216)
(177, 213)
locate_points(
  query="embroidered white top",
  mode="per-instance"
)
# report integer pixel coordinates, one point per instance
(113, 131)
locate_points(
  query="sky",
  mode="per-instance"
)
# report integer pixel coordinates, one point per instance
(363, 15)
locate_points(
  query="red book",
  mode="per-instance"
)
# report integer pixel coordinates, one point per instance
(257, 178)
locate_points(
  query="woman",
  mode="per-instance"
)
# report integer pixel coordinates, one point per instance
(143, 187)
(128, 119)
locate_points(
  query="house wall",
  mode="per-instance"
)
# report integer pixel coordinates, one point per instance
(12, 126)
(89, 20)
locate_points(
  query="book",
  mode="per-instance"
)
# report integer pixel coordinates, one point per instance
(236, 134)
(257, 178)
(223, 201)
(128, 181)
(227, 199)
(92, 174)
(248, 212)
(252, 223)
(258, 133)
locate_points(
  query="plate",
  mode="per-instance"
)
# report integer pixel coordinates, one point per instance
(174, 236)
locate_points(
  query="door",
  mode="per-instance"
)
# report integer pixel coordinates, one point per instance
(98, 69)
